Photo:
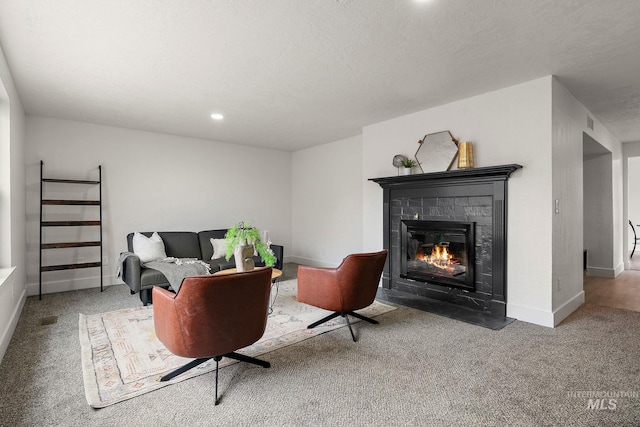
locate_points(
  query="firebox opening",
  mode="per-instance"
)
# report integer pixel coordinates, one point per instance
(438, 252)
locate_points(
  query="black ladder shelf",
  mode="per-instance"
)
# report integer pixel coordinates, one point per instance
(93, 223)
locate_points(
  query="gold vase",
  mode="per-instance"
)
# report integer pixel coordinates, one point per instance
(465, 155)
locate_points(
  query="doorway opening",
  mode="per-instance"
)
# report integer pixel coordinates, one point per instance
(598, 208)
(633, 208)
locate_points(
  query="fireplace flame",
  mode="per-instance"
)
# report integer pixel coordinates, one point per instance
(440, 258)
(440, 254)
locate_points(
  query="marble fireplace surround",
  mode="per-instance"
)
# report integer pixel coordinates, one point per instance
(477, 195)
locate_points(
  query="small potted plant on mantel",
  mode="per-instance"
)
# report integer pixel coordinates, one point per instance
(242, 238)
(408, 165)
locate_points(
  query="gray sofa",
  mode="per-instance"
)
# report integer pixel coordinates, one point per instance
(179, 244)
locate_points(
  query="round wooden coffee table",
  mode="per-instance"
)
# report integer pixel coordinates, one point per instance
(275, 275)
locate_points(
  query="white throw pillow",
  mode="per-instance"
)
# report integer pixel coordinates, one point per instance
(219, 248)
(148, 248)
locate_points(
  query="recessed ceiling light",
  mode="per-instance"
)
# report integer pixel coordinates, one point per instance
(217, 116)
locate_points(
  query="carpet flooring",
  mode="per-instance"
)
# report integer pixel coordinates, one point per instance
(413, 369)
(122, 358)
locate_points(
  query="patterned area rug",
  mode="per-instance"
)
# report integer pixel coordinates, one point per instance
(122, 357)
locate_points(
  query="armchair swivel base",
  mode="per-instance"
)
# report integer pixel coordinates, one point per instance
(200, 361)
(346, 315)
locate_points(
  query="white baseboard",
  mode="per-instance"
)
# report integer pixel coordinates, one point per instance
(610, 273)
(312, 262)
(530, 315)
(288, 259)
(12, 322)
(52, 287)
(567, 308)
(619, 269)
(545, 318)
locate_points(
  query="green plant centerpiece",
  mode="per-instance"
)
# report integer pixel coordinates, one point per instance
(242, 238)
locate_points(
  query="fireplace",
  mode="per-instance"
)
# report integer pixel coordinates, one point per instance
(446, 233)
(440, 252)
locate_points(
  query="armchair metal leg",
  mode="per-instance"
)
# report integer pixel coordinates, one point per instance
(346, 316)
(196, 362)
(365, 318)
(248, 359)
(242, 358)
(324, 319)
(184, 368)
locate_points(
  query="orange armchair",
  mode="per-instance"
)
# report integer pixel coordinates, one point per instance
(349, 287)
(212, 316)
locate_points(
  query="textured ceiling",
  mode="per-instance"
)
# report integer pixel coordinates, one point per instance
(292, 74)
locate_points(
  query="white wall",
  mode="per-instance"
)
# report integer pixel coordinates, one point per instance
(598, 215)
(634, 199)
(569, 125)
(327, 209)
(512, 125)
(153, 182)
(631, 190)
(12, 206)
(5, 178)
(634, 194)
